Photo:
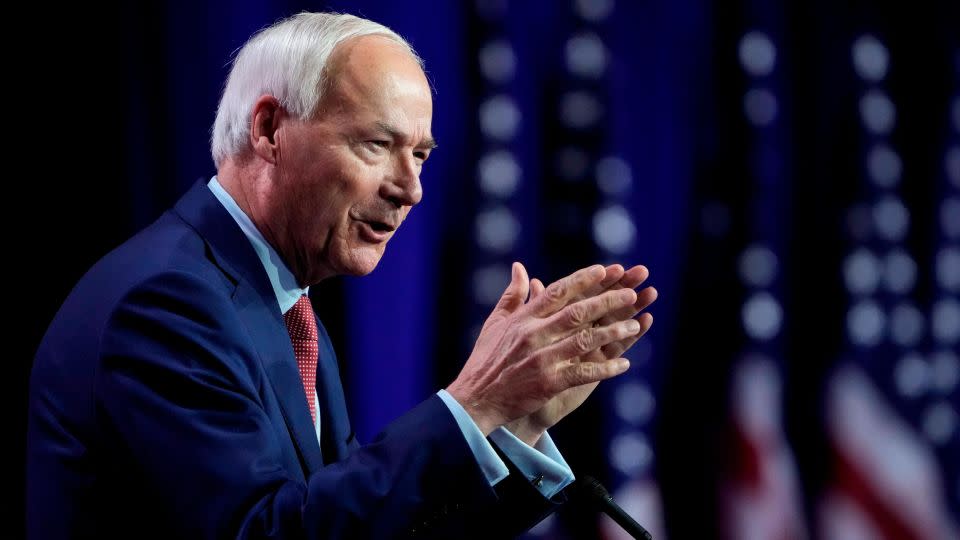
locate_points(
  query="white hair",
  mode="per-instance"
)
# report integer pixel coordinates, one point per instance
(287, 60)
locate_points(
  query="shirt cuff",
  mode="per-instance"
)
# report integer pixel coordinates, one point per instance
(542, 464)
(494, 469)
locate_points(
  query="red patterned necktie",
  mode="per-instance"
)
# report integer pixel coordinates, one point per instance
(302, 327)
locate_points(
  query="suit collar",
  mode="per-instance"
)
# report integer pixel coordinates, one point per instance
(257, 305)
(229, 248)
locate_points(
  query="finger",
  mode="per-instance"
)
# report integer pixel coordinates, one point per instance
(617, 348)
(644, 298)
(591, 372)
(559, 293)
(633, 277)
(629, 279)
(516, 292)
(536, 288)
(585, 312)
(589, 339)
(614, 273)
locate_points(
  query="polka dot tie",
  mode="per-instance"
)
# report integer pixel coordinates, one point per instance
(302, 327)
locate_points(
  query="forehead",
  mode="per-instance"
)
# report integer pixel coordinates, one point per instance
(371, 71)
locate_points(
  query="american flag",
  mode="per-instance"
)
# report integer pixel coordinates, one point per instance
(891, 403)
(760, 494)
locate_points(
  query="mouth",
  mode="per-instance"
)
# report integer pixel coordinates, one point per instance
(376, 231)
(380, 226)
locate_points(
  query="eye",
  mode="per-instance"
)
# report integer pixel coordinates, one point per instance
(377, 144)
(421, 155)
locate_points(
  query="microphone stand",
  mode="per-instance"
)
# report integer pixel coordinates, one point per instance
(592, 490)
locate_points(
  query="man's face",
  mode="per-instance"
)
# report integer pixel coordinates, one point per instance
(346, 179)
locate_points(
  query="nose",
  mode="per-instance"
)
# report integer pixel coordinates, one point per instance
(403, 187)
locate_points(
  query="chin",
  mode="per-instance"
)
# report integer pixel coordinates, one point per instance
(361, 262)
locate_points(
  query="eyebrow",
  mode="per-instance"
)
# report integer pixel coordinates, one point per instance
(429, 143)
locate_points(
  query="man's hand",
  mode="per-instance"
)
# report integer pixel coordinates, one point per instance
(528, 353)
(531, 427)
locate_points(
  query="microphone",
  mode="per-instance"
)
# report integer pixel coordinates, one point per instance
(592, 490)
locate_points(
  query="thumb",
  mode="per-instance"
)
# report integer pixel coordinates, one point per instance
(516, 292)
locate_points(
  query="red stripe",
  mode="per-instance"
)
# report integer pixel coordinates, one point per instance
(852, 481)
(745, 459)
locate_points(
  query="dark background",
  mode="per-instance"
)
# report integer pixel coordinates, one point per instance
(118, 100)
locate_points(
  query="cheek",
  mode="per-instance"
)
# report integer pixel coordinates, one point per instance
(352, 185)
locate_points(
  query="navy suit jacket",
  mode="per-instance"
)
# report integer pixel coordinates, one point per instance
(165, 402)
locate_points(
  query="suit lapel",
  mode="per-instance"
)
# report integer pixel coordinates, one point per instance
(334, 423)
(270, 335)
(257, 305)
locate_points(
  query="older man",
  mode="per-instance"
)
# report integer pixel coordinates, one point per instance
(186, 390)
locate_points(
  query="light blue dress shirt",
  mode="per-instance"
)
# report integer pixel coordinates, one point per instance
(542, 463)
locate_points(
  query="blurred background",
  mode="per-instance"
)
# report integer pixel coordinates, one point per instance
(789, 173)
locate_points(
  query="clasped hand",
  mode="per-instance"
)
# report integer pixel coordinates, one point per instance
(543, 350)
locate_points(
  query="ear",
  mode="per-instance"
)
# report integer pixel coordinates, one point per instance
(267, 114)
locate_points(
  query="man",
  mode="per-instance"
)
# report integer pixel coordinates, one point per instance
(185, 389)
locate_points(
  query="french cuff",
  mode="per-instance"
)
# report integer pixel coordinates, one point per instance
(494, 469)
(542, 464)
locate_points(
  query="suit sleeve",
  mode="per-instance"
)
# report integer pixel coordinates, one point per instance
(519, 505)
(178, 397)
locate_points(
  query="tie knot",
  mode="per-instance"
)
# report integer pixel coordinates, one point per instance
(300, 321)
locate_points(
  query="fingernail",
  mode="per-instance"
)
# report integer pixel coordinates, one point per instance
(623, 365)
(633, 326)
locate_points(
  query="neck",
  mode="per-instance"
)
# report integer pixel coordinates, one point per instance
(241, 180)
(248, 183)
